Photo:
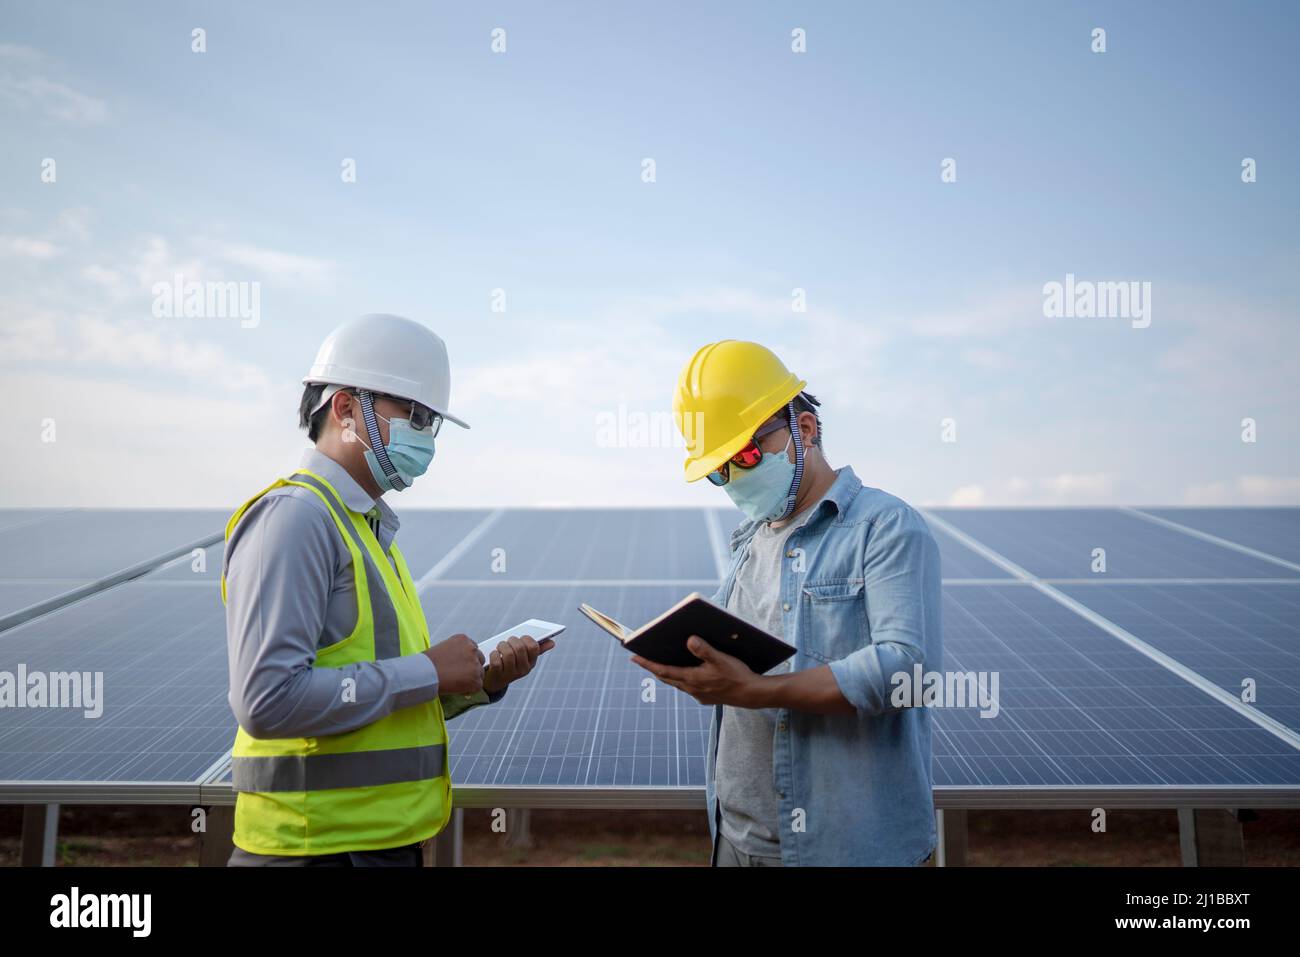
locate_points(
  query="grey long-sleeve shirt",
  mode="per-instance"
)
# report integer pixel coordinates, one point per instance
(289, 591)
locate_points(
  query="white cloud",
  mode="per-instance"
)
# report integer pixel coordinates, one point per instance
(88, 344)
(15, 53)
(141, 443)
(57, 100)
(275, 264)
(1068, 487)
(1062, 489)
(26, 247)
(73, 223)
(109, 279)
(1246, 490)
(967, 495)
(155, 262)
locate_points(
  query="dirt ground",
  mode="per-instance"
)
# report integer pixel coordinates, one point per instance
(154, 836)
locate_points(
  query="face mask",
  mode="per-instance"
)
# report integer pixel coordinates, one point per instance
(761, 492)
(409, 451)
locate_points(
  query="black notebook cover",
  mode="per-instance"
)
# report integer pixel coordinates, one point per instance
(663, 640)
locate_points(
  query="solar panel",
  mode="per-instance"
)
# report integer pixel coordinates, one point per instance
(1275, 531)
(13, 518)
(568, 544)
(20, 594)
(90, 544)
(50, 553)
(584, 717)
(1059, 543)
(1227, 633)
(1078, 707)
(956, 561)
(165, 717)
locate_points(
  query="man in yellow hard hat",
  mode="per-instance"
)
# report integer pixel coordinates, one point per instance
(340, 758)
(817, 762)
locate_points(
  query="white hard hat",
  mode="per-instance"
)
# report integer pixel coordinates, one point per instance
(388, 354)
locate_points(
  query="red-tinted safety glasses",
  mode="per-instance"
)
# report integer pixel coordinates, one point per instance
(747, 457)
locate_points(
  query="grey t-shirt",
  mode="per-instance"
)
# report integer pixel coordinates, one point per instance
(743, 773)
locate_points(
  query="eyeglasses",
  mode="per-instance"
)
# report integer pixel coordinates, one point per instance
(747, 457)
(422, 417)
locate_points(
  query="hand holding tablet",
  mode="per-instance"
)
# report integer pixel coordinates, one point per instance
(543, 632)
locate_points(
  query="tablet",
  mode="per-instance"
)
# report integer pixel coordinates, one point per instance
(535, 628)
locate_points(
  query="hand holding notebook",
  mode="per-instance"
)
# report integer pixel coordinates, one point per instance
(663, 640)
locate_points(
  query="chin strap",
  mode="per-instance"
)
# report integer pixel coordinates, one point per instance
(376, 444)
(798, 464)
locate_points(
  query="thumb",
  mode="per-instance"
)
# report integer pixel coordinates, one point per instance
(700, 648)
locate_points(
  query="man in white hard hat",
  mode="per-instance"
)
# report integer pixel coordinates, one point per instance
(340, 758)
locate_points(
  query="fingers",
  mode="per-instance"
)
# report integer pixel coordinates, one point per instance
(700, 648)
(530, 649)
(510, 657)
(663, 672)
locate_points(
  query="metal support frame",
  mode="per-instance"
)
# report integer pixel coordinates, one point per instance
(952, 837)
(1210, 817)
(40, 835)
(445, 849)
(1212, 837)
(216, 841)
(518, 827)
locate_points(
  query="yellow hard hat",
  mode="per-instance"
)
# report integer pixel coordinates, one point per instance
(724, 394)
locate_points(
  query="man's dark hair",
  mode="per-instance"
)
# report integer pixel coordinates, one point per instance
(807, 402)
(313, 423)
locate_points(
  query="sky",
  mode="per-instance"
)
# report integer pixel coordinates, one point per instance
(880, 193)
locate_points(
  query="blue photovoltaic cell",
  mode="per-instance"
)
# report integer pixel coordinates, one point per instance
(162, 651)
(15, 595)
(957, 561)
(45, 553)
(580, 718)
(91, 544)
(1058, 543)
(426, 535)
(567, 544)
(15, 518)
(1274, 531)
(1226, 633)
(1079, 707)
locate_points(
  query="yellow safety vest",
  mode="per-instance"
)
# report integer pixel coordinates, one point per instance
(383, 785)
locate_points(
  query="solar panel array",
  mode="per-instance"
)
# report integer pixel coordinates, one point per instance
(1173, 665)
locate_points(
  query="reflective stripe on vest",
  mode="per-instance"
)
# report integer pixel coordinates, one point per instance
(351, 769)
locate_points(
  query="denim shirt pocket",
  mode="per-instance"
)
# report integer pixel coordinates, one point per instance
(832, 618)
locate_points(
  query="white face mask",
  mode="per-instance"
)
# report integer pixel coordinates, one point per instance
(763, 492)
(408, 450)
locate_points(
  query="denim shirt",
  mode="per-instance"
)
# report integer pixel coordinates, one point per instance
(853, 789)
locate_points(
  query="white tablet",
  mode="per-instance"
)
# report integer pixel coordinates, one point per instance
(535, 628)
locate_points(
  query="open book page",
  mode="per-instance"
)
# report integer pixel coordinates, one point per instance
(621, 632)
